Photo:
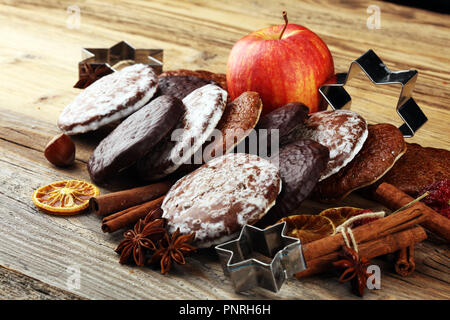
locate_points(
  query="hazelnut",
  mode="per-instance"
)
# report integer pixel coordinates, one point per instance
(60, 151)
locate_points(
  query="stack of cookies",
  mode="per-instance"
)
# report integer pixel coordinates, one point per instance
(167, 120)
(182, 123)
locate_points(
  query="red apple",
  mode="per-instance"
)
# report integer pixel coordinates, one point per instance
(284, 63)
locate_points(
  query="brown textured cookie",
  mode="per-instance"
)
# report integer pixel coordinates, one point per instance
(418, 168)
(238, 119)
(284, 119)
(218, 199)
(180, 86)
(343, 132)
(134, 137)
(108, 99)
(204, 108)
(301, 164)
(383, 147)
(220, 78)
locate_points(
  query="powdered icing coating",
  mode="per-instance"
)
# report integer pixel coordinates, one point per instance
(135, 137)
(109, 99)
(343, 132)
(204, 108)
(217, 199)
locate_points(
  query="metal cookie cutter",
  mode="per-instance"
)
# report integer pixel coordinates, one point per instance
(261, 257)
(121, 53)
(379, 73)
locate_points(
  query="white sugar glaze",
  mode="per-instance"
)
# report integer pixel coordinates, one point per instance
(343, 132)
(105, 101)
(220, 197)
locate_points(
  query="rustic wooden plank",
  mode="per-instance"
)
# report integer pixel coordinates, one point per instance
(200, 35)
(43, 247)
(17, 286)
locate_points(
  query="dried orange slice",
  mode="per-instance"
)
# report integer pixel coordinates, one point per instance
(308, 227)
(339, 215)
(65, 197)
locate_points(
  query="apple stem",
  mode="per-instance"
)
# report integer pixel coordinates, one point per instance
(285, 23)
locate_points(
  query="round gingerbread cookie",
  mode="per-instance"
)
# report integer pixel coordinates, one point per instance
(219, 78)
(343, 132)
(239, 118)
(135, 137)
(418, 168)
(301, 164)
(219, 198)
(108, 99)
(284, 119)
(204, 108)
(180, 86)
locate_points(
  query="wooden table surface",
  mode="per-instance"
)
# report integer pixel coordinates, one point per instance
(39, 52)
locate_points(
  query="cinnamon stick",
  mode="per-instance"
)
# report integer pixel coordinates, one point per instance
(129, 216)
(404, 263)
(116, 201)
(394, 198)
(402, 220)
(370, 249)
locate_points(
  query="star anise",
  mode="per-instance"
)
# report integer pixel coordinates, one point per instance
(91, 73)
(139, 240)
(173, 247)
(355, 269)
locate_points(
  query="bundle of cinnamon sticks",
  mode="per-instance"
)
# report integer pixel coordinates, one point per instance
(387, 235)
(397, 233)
(124, 208)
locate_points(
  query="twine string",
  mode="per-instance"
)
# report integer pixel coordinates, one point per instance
(345, 229)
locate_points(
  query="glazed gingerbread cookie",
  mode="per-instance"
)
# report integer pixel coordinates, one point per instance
(219, 198)
(343, 132)
(108, 99)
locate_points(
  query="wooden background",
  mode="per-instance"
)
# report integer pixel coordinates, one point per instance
(39, 52)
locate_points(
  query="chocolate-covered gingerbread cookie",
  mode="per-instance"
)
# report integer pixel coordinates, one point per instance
(180, 86)
(219, 78)
(135, 137)
(284, 119)
(301, 164)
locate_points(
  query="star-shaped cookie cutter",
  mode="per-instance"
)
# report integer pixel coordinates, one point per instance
(411, 114)
(261, 258)
(109, 59)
